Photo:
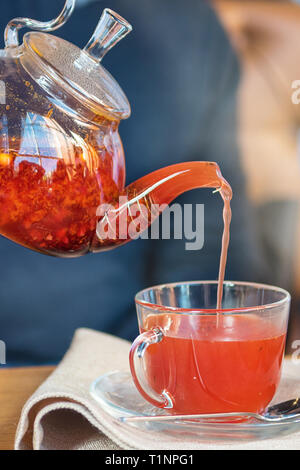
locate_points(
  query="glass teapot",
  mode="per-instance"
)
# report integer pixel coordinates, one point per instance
(62, 168)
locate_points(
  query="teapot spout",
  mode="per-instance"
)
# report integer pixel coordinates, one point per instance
(143, 201)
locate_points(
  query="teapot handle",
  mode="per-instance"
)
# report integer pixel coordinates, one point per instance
(13, 27)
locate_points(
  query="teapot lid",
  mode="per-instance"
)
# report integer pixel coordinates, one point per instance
(79, 71)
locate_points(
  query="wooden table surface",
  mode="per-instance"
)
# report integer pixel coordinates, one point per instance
(16, 385)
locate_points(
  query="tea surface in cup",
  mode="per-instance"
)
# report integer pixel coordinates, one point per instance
(215, 364)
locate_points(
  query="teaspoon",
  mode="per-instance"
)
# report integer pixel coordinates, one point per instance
(285, 411)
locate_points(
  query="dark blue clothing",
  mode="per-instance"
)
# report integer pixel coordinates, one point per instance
(180, 75)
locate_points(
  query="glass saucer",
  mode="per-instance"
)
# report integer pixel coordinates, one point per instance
(116, 394)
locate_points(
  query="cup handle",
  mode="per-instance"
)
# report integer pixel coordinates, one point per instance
(137, 367)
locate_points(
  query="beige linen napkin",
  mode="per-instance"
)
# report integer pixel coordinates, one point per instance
(61, 414)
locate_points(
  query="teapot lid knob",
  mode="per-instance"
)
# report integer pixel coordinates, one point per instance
(68, 72)
(109, 31)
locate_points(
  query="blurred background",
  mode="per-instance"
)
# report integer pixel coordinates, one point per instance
(206, 81)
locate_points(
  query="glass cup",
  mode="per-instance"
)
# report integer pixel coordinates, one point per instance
(192, 358)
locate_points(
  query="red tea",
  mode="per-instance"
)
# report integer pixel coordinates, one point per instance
(212, 364)
(49, 204)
